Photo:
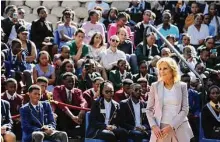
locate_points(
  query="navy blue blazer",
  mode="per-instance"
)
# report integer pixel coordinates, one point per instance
(31, 121)
(6, 115)
(97, 119)
(126, 111)
(17, 65)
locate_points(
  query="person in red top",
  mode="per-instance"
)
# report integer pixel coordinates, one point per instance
(69, 121)
(15, 101)
(93, 93)
(122, 19)
(123, 93)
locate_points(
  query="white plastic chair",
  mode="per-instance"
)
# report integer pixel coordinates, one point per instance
(120, 5)
(70, 4)
(51, 4)
(33, 4)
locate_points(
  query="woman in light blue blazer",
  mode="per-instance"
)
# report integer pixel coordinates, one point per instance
(168, 106)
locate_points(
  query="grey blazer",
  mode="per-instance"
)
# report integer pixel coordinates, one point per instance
(154, 110)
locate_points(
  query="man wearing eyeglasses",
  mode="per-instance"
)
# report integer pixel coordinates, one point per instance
(111, 56)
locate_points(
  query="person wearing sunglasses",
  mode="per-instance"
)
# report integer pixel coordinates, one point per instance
(110, 57)
(104, 118)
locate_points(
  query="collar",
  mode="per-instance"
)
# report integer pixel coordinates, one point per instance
(109, 50)
(124, 74)
(143, 76)
(126, 95)
(107, 103)
(93, 91)
(10, 19)
(13, 54)
(35, 105)
(216, 107)
(67, 90)
(149, 46)
(135, 103)
(168, 27)
(10, 97)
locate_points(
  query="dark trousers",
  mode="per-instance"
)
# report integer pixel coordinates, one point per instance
(66, 124)
(113, 136)
(138, 136)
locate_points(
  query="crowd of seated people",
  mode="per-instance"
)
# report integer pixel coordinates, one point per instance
(106, 64)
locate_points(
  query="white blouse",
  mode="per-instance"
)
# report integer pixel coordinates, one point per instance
(170, 105)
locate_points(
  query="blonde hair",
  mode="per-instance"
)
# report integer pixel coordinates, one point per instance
(173, 65)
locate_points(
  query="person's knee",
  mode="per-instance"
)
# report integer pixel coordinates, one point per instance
(9, 137)
(37, 135)
(63, 134)
(109, 135)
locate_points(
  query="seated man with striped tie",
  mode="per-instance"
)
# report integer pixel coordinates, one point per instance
(69, 120)
(37, 121)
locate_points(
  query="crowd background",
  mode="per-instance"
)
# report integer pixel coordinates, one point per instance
(105, 40)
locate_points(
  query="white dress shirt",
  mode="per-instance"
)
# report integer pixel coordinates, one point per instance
(68, 94)
(196, 35)
(170, 105)
(108, 57)
(108, 106)
(137, 113)
(10, 97)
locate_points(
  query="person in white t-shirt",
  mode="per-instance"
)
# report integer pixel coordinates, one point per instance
(198, 31)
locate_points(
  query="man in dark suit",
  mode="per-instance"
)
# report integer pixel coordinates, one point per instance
(104, 118)
(15, 101)
(147, 49)
(15, 63)
(143, 73)
(116, 76)
(141, 27)
(133, 112)
(123, 93)
(8, 22)
(41, 28)
(37, 120)
(69, 121)
(6, 123)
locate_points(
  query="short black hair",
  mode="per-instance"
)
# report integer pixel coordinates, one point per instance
(79, 30)
(122, 15)
(127, 81)
(9, 7)
(65, 75)
(199, 14)
(33, 87)
(134, 84)
(42, 79)
(144, 62)
(14, 41)
(40, 8)
(142, 80)
(11, 80)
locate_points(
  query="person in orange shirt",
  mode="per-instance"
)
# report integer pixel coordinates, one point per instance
(190, 18)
